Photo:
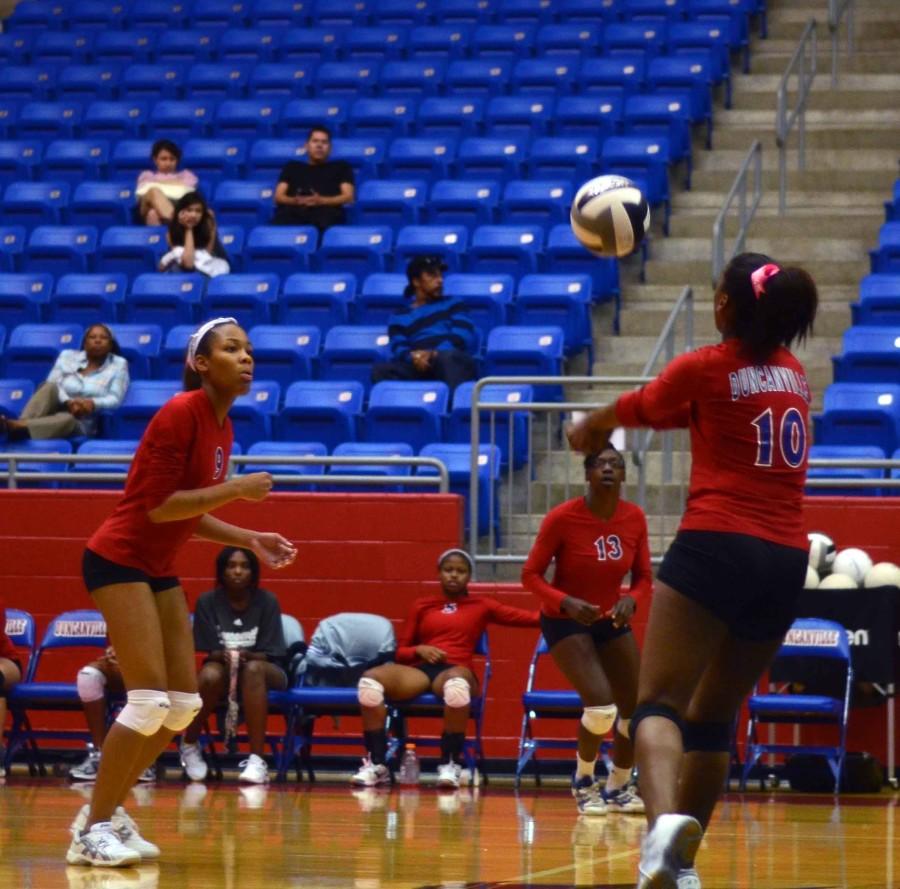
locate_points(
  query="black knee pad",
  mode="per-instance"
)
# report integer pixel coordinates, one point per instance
(707, 737)
(642, 711)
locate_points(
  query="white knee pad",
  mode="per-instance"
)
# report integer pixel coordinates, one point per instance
(370, 692)
(457, 692)
(91, 684)
(183, 707)
(599, 720)
(623, 726)
(145, 711)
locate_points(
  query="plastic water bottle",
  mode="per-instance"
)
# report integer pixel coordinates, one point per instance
(409, 766)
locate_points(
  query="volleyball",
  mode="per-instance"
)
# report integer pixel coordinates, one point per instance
(854, 563)
(883, 574)
(821, 552)
(838, 582)
(812, 578)
(610, 216)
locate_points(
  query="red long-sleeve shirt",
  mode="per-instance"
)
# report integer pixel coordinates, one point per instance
(455, 626)
(748, 425)
(592, 556)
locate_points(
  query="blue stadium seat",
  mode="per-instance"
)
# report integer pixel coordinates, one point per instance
(879, 301)
(14, 395)
(321, 300)
(124, 47)
(244, 203)
(450, 116)
(506, 249)
(737, 13)
(371, 449)
(421, 158)
(527, 351)
(12, 246)
(49, 120)
(287, 449)
(37, 16)
(220, 14)
(563, 157)
(109, 448)
(561, 300)
(218, 80)
(34, 203)
(187, 46)
(251, 299)
(860, 414)
(24, 298)
(464, 12)
(486, 158)
(478, 77)
(252, 414)
(215, 159)
(439, 42)
(15, 49)
(61, 48)
(662, 115)
(644, 158)
(316, 410)
(690, 74)
(299, 115)
(84, 83)
(279, 249)
(644, 11)
(131, 157)
(268, 157)
(710, 36)
(289, 80)
(19, 160)
(162, 14)
(279, 13)
(60, 249)
(570, 41)
(76, 160)
(470, 203)
(536, 202)
(376, 43)
(29, 459)
(102, 204)
(458, 460)
(649, 38)
(870, 355)
(534, 12)
(141, 346)
(346, 79)
(447, 241)
(523, 115)
(32, 349)
(365, 155)
(588, 11)
(174, 351)
(284, 353)
(413, 78)
(9, 117)
(844, 452)
(544, 77)
(96, 15)
(358, 250)
(312, 44)
(84, 299)
(152, 81)
(892, 207)
(392, 202)
(487, 298)
(115, 120)
(381, 118)
(231, 237)
(350, 351)
(143, 399)
(249, 45)
(407, 411)
(180, 119)
(166, 300)
(22, 83)
(885, 260)
(508, 40)
(132, 250)
(508, 431)
(249, 118)
(383, 294)
(341, 12)
(623, 72)
(401, 12)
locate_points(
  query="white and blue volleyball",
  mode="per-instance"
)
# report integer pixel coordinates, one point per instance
(610, 216)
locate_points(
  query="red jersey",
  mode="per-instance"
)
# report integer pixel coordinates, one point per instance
(7, 649)
(455, 626)
(748, 426)
(592, 556)
(183, 448)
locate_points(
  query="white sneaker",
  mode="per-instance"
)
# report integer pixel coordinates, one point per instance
(668, 850)
(371, 775)
(87, 770)
(448, 775)
(587, 795)
(255, 770)
(625, 799)
(101, 847)
(127, 831)
(148, 775)
(193, 762)
(688, 879)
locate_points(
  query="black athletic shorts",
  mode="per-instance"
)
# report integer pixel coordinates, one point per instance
(432, 671)
(555, 629)
(752, 585)
(99, 572)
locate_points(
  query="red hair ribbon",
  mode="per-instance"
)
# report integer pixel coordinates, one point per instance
(761, 275)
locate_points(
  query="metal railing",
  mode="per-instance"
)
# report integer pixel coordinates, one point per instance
(802, 66)
(886, 484)
(836, 10)
(746, 210)
(13, 475)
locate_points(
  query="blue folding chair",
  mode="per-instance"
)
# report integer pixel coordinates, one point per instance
(559, 300)
(533, 12)
(449, 242)
(412, 78)
(844, 452)
(463, 12)
(105, 119)
(27, 455)
(356, 250)
(162, 15)
(32, 349)
(439, 42)
(711, 36)
(288, 449)
(220, 14)
(346, 79)
(410, 411)
(383, 294)
(288, 80)
(563, 157)
(252, 413)
(392, 473)
(34, 203)
(321, 410)
(688, 73)
(879, 301)
(22, 83)
(470, 203)
(506, 249)
(391, 202)
(231, 237)
(318, 299)
(284, 353)
(174, 351)
(181, 119)
(869, 355)
(300, 115)
(268, 157)
(141, 345)
(523, 115)
(401, 12)
(365, 155)
(244, 203)
(378, 43)
(857, 414)
(350, 351)
(143, 399)
(250, 298)
(527, 351)
(152, 81)
(662, 115)
(124, 47)
(60, 249)
(625, 73)
(130, 157)
(312, 44)
(341, 12)
(85, 299)
(166, 300)
(279, 13)
(107, 448)
(14, 395)
(132, 250)
(247, 118)
(279, 249)
(215, 159)
(24, 298)
(544, 77)
(84, 83)
(486, 158)
(571, 41)
(508, 40)
(381, 118)
(645, 158)
(885, 259)
(218, 80)
(444, 117)
(38, 16)
(15, 48)
(536, 202)
(188, 46)
(19, 159)
(76, 160)
(474, 78)
(61, 48)
(808, 639)
(487, 298)
(12, 246)
(421, 158)
(49, 120)
(648, 38)
(102, 204)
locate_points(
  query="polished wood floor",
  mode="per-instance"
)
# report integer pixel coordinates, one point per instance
(329, 837)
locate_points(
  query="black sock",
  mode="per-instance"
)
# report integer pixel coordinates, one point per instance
(17, 433)
(452, 746)
(376, 744)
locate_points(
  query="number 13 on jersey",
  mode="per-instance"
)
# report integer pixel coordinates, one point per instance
(788, 433)
(609, 547)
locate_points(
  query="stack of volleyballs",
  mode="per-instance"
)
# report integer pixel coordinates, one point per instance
(846, 569)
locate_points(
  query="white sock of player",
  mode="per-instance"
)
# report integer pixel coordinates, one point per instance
(584, 767)
(618, 778)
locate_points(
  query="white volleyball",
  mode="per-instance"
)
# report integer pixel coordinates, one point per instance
(610, 216)
(854, 563)
(838, 582)
(883, 574)
(812, 578)
(821, 552)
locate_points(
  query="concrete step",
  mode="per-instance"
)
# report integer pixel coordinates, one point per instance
(691, 221)
(802, 250)
(879, 57)
(750, 95)
(869, 182)
(674, 272)
(832, 136)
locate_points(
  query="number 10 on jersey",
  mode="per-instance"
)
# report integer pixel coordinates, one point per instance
(790, 433)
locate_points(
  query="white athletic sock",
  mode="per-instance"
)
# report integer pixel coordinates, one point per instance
(584, 767)
(618, 778)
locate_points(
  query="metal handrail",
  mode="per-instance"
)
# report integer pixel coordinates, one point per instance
(745, 214)
(803, 65)
(836, 10)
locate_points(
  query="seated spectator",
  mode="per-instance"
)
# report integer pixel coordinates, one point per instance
(434, 339)
(10, 674)
(97, 682)
(315, 192)
(194, 240)
(82, 382)
(435, 649)
(158, 189)
(238, 626)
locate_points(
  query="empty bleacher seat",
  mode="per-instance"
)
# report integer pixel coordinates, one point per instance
(14, 395)
(341, 12)
(132, 250)
(143, 399)
(450, 116)
(318, 410)
(19, 159)
(107, 448)
(32, 349)
(498, 158)
(218, 80)
(662, 115)
(312, 44)
(268, 157)
(445, 41)
(372, 449)
(860, 414)
(649, 38)
(23, 83)
(510, 40)
(289, 80)
(383, 294)
(348, 79)
(12, 246)
(279, 13)
(563, 157)
(166, 300)
(181, 119)
(249, 118)
(526, 351)
(410, 411)
(401, 12)
(84, 83)
(124, 47)
(572, 39)
(358, 250)
(141, 344)
(544, 77)
(15, 48)
(381, 117)
(879, 300)
(885, 259)
(74, 160)
(61, 47)
(317, 298)
(251, 298)
(215, 159)
(299, 115)
(536, 202)
(279, 249)
(49, 120)
(188, 46)
(174, 351)
(365, 155)
(252, 413)
(350, 352)
(412, 78)
(447, 241)
(244, 203)
(249, 45)
(644, 158)
(383, 41)
(284, 353)
(596, 115)
(83, 299)
(691, 74)
(102, 204)
(523, 115)
(624, 72)
(561, 300)
(487, 298)
(470, 12)
(287, 449)
(23, 298)
(870, 354)
(152, 81)
(116, 120)
(564, 254)
(844, 452)
(421, 158)
(34, 203)
(38, 15)
(152, 14)
(471, 202)
(506, 249)
(392, 202)
(130, 157)
(28, 459)
(60, 249)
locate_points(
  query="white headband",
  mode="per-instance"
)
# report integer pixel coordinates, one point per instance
(455, 551)
(198, 335)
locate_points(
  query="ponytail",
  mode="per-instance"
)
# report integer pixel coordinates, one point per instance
(778, 311)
